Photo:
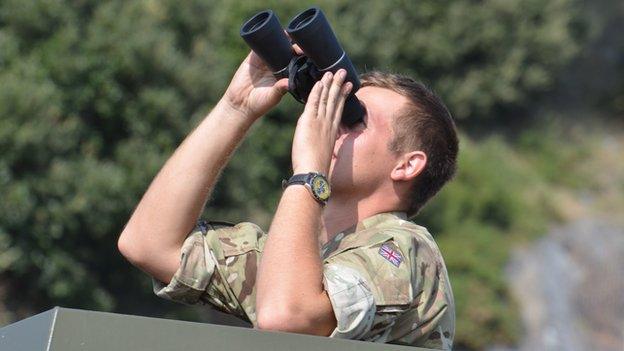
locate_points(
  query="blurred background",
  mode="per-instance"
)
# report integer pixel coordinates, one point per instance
(95, 96)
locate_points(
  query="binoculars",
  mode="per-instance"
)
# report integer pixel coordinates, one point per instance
(322, 53)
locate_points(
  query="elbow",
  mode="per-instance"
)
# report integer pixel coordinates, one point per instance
(123, 245)
(158, 262)
(128, 248)
(279, 319)
(284, 319)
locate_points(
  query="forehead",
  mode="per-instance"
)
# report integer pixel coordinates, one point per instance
(381, 103)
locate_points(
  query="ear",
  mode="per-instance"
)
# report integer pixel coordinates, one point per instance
(409, 166)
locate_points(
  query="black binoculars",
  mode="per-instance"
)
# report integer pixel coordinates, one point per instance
(322, 53)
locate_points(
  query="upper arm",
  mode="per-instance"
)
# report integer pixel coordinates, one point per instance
(368, 291)
(393, 291)
(217, 265)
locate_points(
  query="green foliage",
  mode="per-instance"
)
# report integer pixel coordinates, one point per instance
(496, 201)
(478, 55)
(555, 162)
(95, 95)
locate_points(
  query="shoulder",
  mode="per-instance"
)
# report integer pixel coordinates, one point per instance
(428, 269)
(400, 236)
(378, 259)
(399, 265)
(394, 258)
(414, 241)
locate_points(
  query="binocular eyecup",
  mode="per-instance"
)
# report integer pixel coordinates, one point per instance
(322, 53)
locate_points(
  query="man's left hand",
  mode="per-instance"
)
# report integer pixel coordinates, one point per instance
(317, 127)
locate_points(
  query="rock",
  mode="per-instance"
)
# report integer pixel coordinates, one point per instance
(570, 288)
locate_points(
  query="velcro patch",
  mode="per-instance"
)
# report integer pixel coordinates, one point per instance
(391, 254)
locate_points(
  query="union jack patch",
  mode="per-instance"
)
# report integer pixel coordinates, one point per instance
(389, 253)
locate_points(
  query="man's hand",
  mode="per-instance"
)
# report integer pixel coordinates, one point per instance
(290, 295)
(317, 127)
(154, 235)
(254, 90)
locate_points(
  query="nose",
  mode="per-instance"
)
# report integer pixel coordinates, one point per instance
(341, 135)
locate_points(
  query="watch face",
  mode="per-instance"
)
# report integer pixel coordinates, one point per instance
(321, 188)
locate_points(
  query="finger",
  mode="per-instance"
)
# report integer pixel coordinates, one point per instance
(282, 85)
(326, 81)
(311, 106)
(344, 93)
(334, 92)
(297, 49)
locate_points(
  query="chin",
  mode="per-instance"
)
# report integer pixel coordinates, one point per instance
(340, 184)
(340, 177)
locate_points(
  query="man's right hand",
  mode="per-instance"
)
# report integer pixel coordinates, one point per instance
(254, 90)
(168, 211)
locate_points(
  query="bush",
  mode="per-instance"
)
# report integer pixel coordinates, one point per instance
(95, 95)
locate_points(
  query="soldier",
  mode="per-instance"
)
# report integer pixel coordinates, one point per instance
(339, 260)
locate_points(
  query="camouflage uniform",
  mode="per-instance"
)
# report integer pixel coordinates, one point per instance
(385, 278)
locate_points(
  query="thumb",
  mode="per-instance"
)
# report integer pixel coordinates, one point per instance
(282, 85)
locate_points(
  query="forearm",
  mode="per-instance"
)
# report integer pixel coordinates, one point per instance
(290, 275)
(290, 293)
(175, 199)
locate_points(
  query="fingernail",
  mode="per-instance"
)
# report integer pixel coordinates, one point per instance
(342, 73)
(327, 75)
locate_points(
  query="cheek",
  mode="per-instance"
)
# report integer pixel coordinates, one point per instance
(373, 154)
(361, 151)
(367, 148)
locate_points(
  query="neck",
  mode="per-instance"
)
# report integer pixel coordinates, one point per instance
(342, 213)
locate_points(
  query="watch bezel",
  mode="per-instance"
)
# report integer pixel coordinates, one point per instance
(317, 192)
(308, 180)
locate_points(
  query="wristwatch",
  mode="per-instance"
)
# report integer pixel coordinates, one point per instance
(316, 183)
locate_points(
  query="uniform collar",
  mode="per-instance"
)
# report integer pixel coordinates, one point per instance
(346, 238)
(376, 220)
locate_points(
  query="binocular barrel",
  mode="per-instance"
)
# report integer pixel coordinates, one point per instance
(262, 29)
(312, 32)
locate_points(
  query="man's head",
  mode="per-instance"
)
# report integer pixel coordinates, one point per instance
(406, 147)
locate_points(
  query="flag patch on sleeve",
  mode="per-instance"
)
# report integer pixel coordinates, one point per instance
(391, 254)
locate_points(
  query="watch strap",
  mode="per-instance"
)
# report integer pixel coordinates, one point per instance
(305, 179)
(301, 178)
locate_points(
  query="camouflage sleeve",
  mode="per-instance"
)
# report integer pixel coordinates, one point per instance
(369, 287)
(351, 299)
(193, 275)
(218, 266)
